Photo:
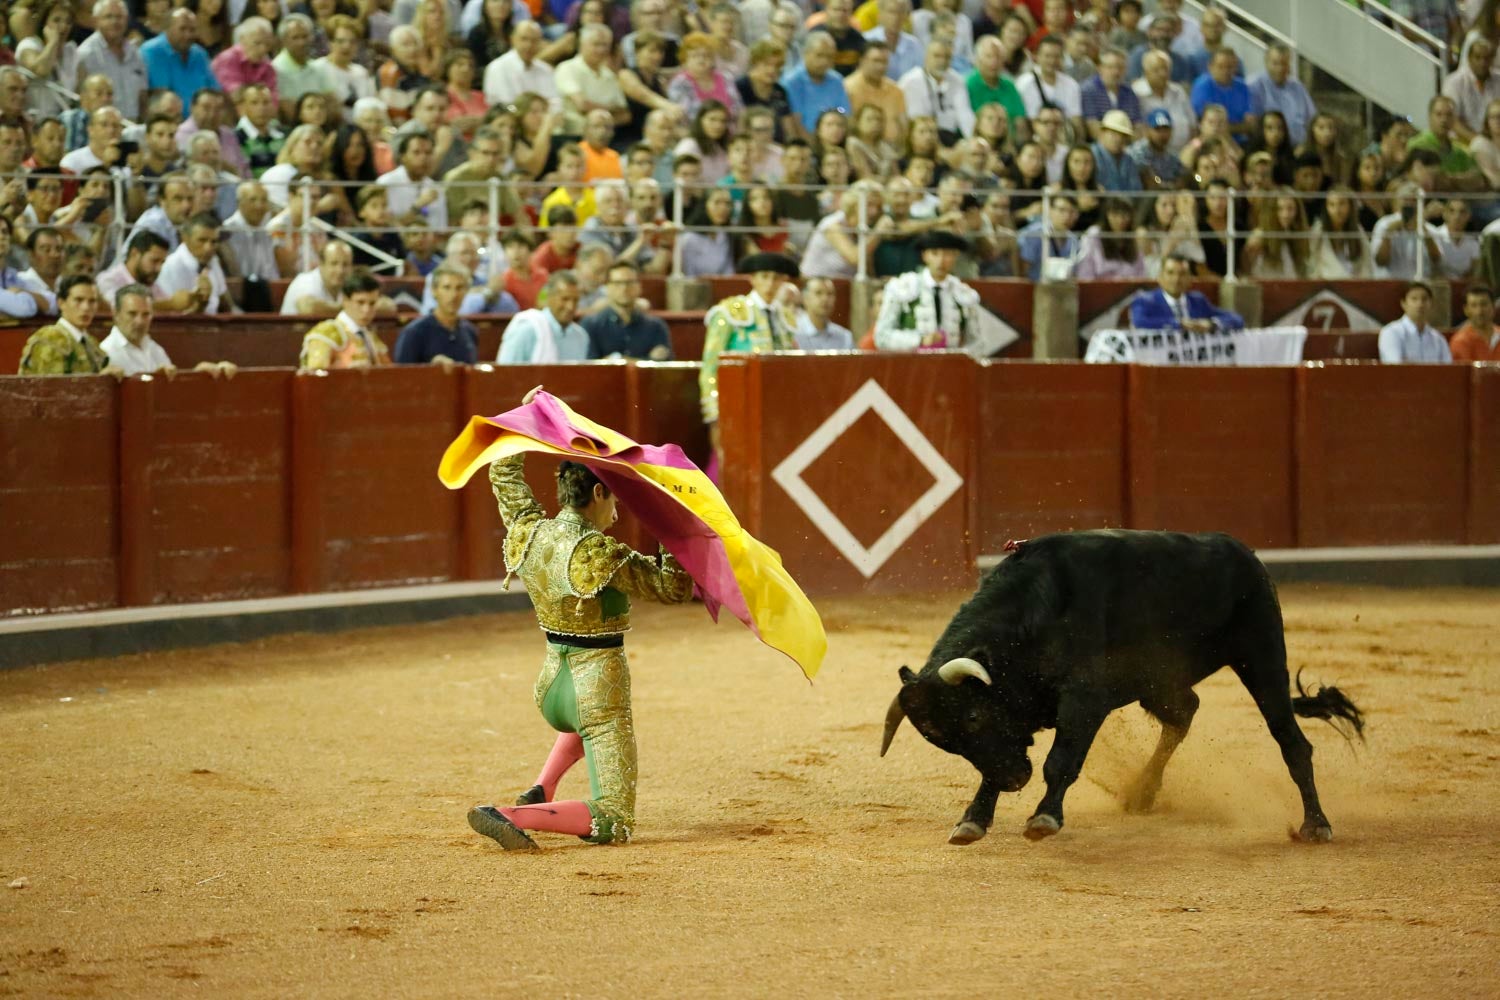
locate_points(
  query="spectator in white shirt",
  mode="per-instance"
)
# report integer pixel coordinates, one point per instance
(103, 149)
(816, 330)
(109, 52)
(936, 90)
(587, 83)
(519, 71)
(412, 193)
(195, 265)
(316, 292)
(1047, 84)
(1410, 340)
(130, 347)
(1396, 239)
(1460, 248)
(129, 344)
(348, 79)
(1157, 90)
(1472, 87)
(245, 234)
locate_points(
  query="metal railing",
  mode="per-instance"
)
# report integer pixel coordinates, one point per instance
(1233, 233)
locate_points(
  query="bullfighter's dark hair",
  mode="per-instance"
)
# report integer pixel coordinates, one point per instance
(360, 280)
(1412, 286)
(575, 485)
(71, 282)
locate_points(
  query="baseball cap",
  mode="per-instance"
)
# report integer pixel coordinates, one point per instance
(1160, 118)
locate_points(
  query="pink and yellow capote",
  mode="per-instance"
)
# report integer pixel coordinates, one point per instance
(675, 502)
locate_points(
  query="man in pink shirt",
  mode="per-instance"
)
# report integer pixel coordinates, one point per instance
(248, 60)
(209, 114)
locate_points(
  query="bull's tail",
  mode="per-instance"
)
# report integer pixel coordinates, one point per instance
(1332, 706)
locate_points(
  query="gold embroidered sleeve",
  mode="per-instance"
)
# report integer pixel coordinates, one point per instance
(46, 352)
(518, 507)
(714, 342)
(318, 345)
(600, 561)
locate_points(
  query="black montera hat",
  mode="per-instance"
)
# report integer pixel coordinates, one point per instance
(941, 240)
(780, 263)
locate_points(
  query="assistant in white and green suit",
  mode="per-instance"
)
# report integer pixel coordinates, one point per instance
(929, 308)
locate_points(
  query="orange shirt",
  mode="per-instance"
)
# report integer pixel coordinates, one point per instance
(1467, 345)
(601, 165)
(546, 258)
(526, 290)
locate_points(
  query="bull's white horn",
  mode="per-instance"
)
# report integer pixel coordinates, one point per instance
(954, 671)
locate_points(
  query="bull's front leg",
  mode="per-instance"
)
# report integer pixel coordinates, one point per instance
(979, 815)
(1078, 723)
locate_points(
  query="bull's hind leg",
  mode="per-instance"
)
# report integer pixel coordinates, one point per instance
(1269, 687)
(1077, 725)
(1175, 714)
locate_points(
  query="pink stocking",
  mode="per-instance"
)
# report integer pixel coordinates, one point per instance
(567, 751)
(554, 817)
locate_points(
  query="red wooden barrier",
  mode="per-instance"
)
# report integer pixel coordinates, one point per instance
(375, 512)
(1341, 345)
(1211, 450)
(59, 466)
(1012, 300)
(821, 467)
(156, 491)
(1382, 454)
(204, 498)
(1049, 443)
(1484, 455)
(1365, 304)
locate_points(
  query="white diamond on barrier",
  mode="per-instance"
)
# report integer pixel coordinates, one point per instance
(870, 397)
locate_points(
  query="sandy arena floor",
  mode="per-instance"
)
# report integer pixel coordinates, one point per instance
(286, 819)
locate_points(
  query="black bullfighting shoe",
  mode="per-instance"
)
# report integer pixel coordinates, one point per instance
(489, 821)
(533, 796)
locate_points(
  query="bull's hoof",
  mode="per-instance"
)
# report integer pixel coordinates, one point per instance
(966, 833)
(1041, 826)
(1315, 833)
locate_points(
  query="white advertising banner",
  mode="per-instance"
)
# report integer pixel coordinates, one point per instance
(1276, 345)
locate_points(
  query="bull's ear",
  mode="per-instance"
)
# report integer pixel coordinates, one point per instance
(907, 677)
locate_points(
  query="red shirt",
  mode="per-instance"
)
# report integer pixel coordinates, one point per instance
(546, 258)
(526, 290)
(1467, 345)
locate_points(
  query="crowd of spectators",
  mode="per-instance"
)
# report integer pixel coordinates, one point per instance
(545, 147)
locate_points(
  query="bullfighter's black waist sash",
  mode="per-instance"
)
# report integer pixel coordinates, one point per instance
(612, 641)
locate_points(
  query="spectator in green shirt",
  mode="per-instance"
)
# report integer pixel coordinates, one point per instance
(1460, 172)
(988, 83)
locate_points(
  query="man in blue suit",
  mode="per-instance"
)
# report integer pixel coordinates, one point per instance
(1172, 307)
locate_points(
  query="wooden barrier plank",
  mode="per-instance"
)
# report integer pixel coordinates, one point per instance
(1341, 345)
(388, 519)
(1013, 300)
(1381, 454)
(1484, 455)
(59, 494)
(1210, 449)
(1050, 452)
(1359, 304)
(221, 478)
(870, 515)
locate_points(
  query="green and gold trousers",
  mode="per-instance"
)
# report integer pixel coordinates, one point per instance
(587, 691)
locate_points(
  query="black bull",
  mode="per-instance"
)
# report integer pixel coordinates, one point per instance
(1074, 626)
